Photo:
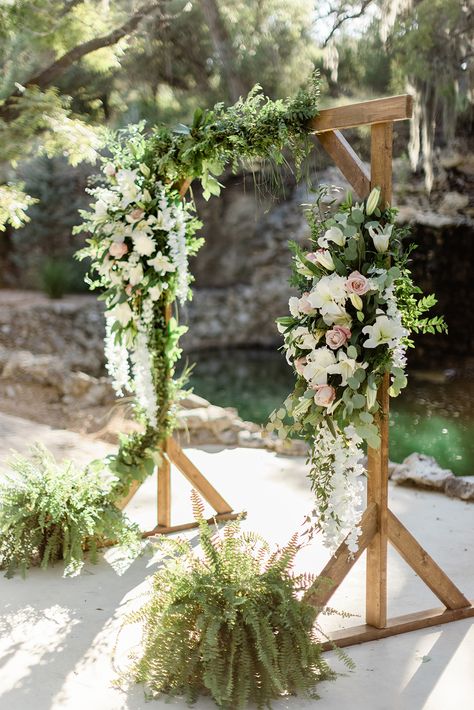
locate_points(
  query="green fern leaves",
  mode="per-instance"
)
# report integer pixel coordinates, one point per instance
(53, 511)
(228, 623)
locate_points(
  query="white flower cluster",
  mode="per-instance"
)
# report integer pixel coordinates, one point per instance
(142, 370)
(338, 507)
(139, 250)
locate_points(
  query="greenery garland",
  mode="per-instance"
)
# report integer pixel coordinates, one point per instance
(137, 188)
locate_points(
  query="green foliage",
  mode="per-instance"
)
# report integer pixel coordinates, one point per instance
(413, 305)
(255, 128)
(230, 623)
(53, 511)
(57, 277)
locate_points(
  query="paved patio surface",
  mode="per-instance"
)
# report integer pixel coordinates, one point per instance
(57, 636)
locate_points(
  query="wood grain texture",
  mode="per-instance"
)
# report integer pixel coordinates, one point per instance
(377, 479)
(164, 489)
(397, 625)
(195, 478)
(347, 160)
(392, 108)
(424, 565)
(166, 529)
(342, 562)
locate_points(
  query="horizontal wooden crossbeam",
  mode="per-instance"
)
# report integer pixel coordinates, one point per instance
(397, 625)
(393, 108)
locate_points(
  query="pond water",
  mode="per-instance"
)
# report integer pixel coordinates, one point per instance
(434, 415)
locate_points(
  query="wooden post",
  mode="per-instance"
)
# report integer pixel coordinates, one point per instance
(377, 481)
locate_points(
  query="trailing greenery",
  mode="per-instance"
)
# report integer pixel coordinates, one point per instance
(52, 511)
(230, 623)
(255, 128)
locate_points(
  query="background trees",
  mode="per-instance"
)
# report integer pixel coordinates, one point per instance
(73, 67)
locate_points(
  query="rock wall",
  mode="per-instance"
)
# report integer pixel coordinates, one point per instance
(242, 275)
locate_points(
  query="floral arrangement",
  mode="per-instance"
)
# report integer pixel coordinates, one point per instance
(348, 328)
(142, 235)
(142, 232)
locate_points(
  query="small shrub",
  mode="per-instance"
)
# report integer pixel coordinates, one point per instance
(51, 511)
(57, 277)
(230, 624)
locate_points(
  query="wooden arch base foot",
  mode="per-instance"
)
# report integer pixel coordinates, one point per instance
(173, 454)
(397, 625)
(457, 606)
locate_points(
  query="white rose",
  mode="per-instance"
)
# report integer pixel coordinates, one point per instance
(143, 243)
(155, 292)
(293, 306)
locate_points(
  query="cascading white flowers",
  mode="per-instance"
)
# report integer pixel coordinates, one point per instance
(141, 233)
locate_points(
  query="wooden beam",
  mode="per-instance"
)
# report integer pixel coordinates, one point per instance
(134, 486)
(342, 561)
(164, 489)
(423, 564)
(195, 478)
(167, 529)
(381, 143)
(377, 467)
(398, 625)
(347, 160)
(393, 108)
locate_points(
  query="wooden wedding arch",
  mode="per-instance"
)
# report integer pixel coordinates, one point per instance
(379, 525)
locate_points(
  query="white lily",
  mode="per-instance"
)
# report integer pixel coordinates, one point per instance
(333, 234)
(122, 313)
(372, 201)
(161, 263)
(385, 331)
(324, 258)
(319, 362)
(345, 367)
(381, 237)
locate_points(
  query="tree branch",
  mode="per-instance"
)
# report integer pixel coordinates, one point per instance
(344, 18)
(9, 110)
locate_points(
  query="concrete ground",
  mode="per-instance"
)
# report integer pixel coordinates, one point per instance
(61, 641)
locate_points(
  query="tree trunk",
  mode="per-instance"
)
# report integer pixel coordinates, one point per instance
(223, 46)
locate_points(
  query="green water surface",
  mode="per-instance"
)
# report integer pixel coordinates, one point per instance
(434, 415)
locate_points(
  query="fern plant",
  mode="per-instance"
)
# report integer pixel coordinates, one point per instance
(229, 623)
(53, 511)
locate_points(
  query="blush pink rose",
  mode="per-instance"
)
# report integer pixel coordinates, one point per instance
(325, 395)
(337, 336)
(304, 305)
(357, 283)
(300, 363)
(118, 250)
